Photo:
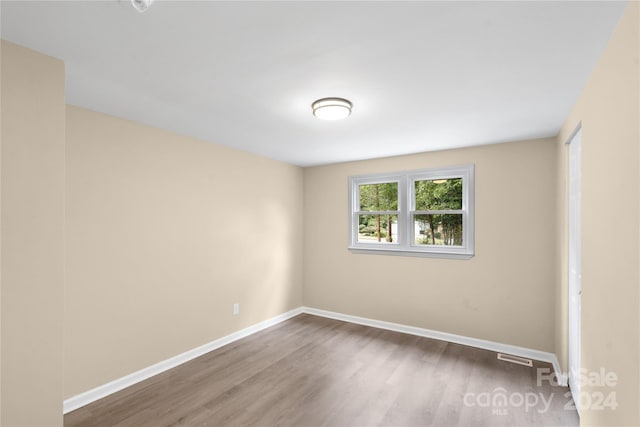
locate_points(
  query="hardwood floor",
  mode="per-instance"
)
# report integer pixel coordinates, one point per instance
(313, 371)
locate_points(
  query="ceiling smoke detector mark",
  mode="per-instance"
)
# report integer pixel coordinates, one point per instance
(515, 359)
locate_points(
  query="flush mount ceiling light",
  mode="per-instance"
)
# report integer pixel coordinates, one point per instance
(141, 5)
(331, 108)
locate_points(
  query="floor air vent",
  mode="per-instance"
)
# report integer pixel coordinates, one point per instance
(515, 359)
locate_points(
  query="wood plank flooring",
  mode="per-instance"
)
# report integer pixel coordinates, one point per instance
(312, 371)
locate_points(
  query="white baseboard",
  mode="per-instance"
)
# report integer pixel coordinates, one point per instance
(528, 353)
(104, 390)
(82, 399)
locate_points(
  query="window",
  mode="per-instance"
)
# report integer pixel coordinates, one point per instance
(417, 213)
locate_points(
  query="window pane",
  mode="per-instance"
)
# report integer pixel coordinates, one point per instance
(377, 228)
(440, 230)
(438, 194)
(379, 197)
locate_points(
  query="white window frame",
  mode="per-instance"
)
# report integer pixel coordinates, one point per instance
(405, 246)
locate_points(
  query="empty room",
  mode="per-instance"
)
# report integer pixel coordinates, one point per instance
(319, 213)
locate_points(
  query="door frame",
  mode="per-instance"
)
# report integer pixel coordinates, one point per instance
(574, 261)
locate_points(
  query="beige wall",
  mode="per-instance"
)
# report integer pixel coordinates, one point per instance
(164, 234)
(33, 144)
(609, 109)
(504, 294)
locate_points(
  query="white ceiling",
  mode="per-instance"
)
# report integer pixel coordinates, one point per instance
(421, 75)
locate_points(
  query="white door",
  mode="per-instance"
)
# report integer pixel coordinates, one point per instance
(575, 263)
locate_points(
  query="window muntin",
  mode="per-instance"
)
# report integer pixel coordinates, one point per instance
(417, 213)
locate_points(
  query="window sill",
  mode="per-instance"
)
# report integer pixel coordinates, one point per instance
(404, 252)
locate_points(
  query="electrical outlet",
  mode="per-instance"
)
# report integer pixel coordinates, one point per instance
(236, 309)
